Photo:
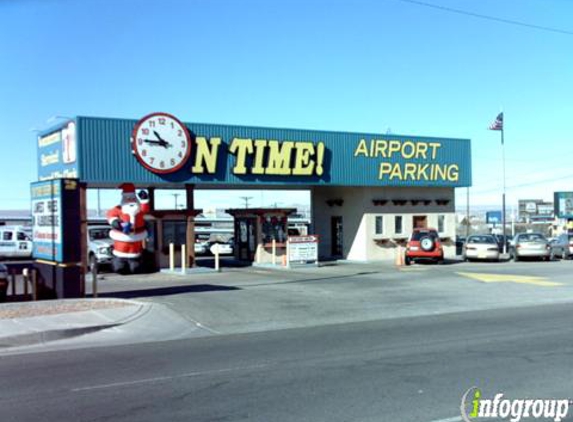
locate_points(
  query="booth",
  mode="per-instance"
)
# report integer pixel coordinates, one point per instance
(260, 234)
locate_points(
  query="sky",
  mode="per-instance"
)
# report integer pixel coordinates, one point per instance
(377, 66)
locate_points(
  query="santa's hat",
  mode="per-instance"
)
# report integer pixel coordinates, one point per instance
(128, 192)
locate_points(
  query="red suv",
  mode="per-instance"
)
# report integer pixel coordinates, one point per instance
(424, 244)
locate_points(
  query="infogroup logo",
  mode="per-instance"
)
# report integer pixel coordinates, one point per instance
(474, 407)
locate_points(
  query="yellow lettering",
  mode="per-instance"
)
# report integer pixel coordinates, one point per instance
(453, 173)
(241, 147)
(258, 167)
(410, 171)
(279, 158)
(422, 149)
(434, 146)
(411, 146)
(361, 149)
(385, 169)
(206, 155)
(303, 165)
(422, 172)
(396, 172)
(379, 148)
(394, 146)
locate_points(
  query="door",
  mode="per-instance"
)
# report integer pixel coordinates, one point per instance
(336, 232)
(247, 238)
(420, 222)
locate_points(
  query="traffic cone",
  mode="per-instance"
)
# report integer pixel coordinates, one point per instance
(399, 258)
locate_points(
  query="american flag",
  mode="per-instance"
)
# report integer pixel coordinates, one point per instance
(497, 123)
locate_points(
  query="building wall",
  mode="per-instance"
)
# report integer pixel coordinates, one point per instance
(358, 211)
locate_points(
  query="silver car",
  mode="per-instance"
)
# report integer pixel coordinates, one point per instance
(481, 247)
(531, 245)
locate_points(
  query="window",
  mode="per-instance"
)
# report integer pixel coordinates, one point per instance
(174, 232)
(398, 228)
(23, 236)
(7, 236)
(441, 223)
(379, 225)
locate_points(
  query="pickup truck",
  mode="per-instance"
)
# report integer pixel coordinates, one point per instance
(15, 242)
(100, 246)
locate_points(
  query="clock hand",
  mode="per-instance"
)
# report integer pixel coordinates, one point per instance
(153, 141)
(162, 142)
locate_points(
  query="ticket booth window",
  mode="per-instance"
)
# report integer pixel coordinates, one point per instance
(274, 228)
(174, 232)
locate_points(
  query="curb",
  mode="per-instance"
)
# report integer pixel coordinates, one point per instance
(47, 336)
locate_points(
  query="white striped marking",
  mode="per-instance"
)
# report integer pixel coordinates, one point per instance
(166, 378)
(454, 419)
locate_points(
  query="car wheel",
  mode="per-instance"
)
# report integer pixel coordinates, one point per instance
(407, 261)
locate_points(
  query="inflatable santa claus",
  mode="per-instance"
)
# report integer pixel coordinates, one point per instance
(128, 229)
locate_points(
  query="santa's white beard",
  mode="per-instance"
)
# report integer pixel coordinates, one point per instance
(131, 209)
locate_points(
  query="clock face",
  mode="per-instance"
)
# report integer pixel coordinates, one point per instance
(161, 143)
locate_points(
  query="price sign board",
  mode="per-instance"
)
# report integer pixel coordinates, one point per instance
(303, 249)
(56, 220)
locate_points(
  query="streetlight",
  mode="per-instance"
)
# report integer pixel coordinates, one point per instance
(498, 125)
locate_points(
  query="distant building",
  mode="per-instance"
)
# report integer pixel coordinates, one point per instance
(535, 211)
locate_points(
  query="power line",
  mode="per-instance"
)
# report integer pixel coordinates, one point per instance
(489, 17)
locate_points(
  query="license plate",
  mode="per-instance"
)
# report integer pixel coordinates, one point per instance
(482, 255)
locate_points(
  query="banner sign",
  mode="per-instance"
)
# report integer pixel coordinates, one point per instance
(57, 153)
(563, 203)
(55, 205)
(303, 249)
(159, 149)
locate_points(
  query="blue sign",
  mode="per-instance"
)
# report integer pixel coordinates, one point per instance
(55, 205)
(493, 217)
(159, 150)
(57, 153)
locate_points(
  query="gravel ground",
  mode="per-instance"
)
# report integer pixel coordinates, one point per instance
(54, 307)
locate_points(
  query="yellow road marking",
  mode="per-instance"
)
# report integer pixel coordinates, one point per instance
(510, 278)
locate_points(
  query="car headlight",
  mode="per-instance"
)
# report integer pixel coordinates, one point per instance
(103, 250)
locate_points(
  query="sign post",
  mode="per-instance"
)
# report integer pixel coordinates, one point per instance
(56, 221)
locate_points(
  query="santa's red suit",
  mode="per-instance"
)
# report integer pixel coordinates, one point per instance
(128, 227)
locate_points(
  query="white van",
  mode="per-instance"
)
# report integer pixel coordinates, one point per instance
(15, 242)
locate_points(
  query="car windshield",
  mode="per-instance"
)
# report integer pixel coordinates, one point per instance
(417, 235)
(532, 237)
(481, 239)
(99, 234)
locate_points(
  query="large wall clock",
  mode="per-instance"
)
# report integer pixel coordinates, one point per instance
(161, 143)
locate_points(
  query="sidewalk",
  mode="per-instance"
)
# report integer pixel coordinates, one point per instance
(28, 323)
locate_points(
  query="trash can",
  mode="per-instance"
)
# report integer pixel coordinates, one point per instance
(3, 282)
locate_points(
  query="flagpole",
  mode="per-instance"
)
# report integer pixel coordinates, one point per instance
(503, 196)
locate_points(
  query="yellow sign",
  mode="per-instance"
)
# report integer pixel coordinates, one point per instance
(509, 278)
(407, 150)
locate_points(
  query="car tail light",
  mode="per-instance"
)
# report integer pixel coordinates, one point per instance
(517, 246)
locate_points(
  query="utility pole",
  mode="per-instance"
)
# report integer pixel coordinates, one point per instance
(246, 199)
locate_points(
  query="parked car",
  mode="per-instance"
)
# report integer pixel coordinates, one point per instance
(424, 245)
(15, 242)
(531, 245)
(201, 248)
(563, 245)
(481, 247)
(100, 246)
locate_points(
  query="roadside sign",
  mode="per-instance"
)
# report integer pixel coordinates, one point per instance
(493, 217)
(303, 249)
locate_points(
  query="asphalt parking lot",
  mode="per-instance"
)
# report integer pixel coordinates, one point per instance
(250, 299)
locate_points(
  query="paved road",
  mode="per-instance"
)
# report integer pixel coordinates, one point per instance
(407, 369)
